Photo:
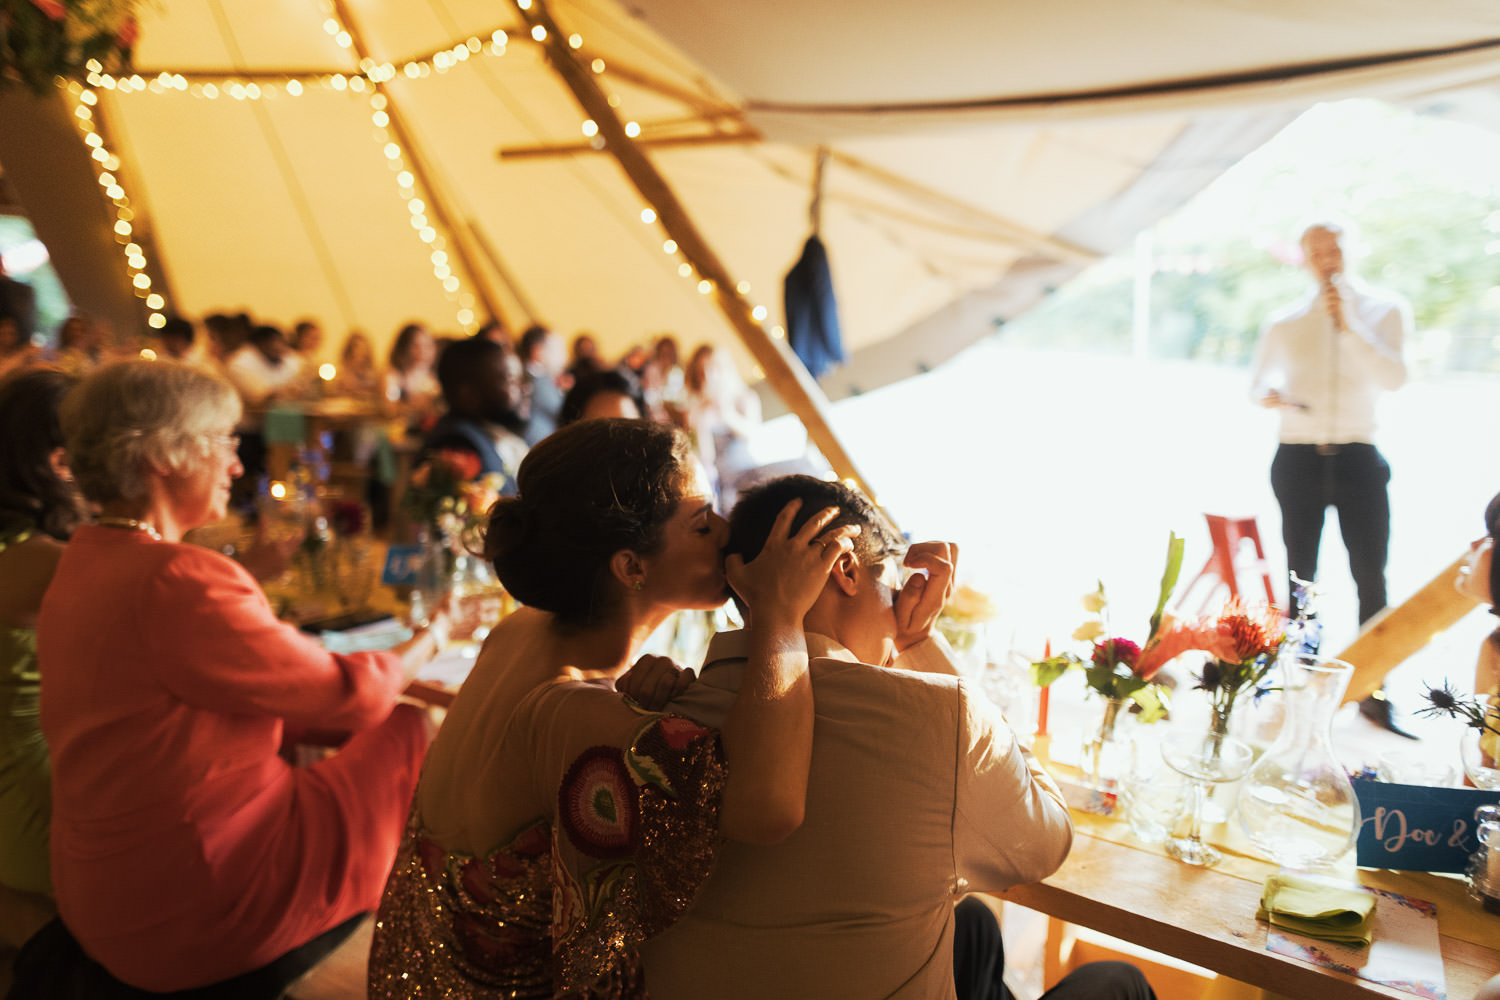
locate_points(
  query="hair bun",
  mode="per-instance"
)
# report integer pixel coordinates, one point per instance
(506, 530)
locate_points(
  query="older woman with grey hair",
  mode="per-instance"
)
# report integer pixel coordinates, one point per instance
(185, 851)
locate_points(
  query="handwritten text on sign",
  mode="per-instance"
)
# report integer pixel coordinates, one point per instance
(1417, 828)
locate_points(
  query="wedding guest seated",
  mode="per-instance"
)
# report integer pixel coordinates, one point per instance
(486, 408)
(265, 368)
(918, 791)
(185, 851)
(80, 346)
(583, 356)
(357, 376)
(722, 412)
(307, 341)
(39, 508)
(409, 383)
(543, 358)
(555, 826)
(610, 393)
(15, 350)
(179, 342)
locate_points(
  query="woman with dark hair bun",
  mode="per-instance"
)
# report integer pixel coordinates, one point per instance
(556, 824)
(39, 508)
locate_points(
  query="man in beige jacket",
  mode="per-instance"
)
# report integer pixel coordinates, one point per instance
(918, 792)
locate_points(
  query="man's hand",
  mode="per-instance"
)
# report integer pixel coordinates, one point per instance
(784, 580)
(652, 681)
(924, 596)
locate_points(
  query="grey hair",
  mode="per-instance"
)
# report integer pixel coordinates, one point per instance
(131, 416)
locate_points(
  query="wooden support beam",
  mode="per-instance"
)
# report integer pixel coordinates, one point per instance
(462, 242)
(1398, 632)
(658, 142)
(784, 371)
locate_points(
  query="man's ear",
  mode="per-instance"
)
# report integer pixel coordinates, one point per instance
(627, 567)
(846, 574)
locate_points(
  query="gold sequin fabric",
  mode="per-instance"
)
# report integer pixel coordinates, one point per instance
(557, 911)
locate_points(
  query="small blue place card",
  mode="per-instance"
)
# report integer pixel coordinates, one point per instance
(401, 565)
(1417, 827)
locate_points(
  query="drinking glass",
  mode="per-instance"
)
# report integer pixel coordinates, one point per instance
(1205, 759)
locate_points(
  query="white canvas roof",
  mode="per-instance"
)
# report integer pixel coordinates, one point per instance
(979, 152)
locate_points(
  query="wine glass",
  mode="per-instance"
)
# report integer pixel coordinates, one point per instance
(1205, 759)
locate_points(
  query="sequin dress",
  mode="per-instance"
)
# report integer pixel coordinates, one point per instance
(556, 910)
(25, 769)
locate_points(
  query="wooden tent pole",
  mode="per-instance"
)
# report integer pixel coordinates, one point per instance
(783, 371)
(1399, 632)
(462, 240)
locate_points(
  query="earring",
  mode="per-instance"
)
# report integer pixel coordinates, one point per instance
(640, 584)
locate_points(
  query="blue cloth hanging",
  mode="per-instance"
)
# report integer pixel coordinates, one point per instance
(812, 311)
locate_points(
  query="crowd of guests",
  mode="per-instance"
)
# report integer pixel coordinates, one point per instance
(553, 839)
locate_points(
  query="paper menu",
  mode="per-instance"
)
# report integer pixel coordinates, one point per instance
(1404, 953)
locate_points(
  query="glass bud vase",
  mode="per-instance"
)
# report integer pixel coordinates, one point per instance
(1297, 804)
(1106, 754)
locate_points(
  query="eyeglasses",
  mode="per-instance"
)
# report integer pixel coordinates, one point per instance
(229, 443)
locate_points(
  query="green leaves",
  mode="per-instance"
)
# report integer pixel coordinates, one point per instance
(1168, 581)
(1044, 672)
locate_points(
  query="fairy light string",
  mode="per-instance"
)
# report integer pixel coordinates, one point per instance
(369, 79)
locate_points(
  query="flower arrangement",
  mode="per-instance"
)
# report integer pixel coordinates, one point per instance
(1483, 715)
(450, 498)
(1116, 667)
(961, 619)
(1243, 643)
(41, 40)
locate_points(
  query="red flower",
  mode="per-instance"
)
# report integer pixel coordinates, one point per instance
(129, 32)
(597, 804)
(1117, 650)
(51, 8)
(465, 464)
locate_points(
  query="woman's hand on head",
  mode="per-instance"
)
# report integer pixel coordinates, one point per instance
(784, 580)
(652, 681)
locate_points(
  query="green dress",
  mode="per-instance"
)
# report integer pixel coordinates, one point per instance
(25, 769)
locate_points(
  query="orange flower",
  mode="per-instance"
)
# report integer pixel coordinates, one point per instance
(1184, 637)
(1240, 635)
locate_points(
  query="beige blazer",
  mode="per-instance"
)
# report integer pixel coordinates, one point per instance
(918, 793)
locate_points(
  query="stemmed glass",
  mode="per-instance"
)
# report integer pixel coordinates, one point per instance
(1205, 759)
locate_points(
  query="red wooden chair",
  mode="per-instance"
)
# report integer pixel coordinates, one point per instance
(1228, 535)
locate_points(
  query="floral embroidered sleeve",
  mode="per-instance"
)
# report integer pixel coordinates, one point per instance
(635, 837)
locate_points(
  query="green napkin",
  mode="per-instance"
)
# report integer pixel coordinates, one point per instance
(1302, 905)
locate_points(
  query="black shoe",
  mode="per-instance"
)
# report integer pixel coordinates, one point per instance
(1379, 710)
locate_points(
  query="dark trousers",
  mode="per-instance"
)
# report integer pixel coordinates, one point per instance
(979, 965)
(1353, 479)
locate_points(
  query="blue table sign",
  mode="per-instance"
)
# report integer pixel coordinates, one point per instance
(1416, 827)
(401, 565)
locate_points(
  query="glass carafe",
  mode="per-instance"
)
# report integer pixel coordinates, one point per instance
(1297, 804)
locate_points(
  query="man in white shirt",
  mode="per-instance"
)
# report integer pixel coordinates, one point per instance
(264, 367)
(918, 793)
(1321, 363)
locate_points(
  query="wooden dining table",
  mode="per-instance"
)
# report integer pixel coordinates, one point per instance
(1123, 887)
